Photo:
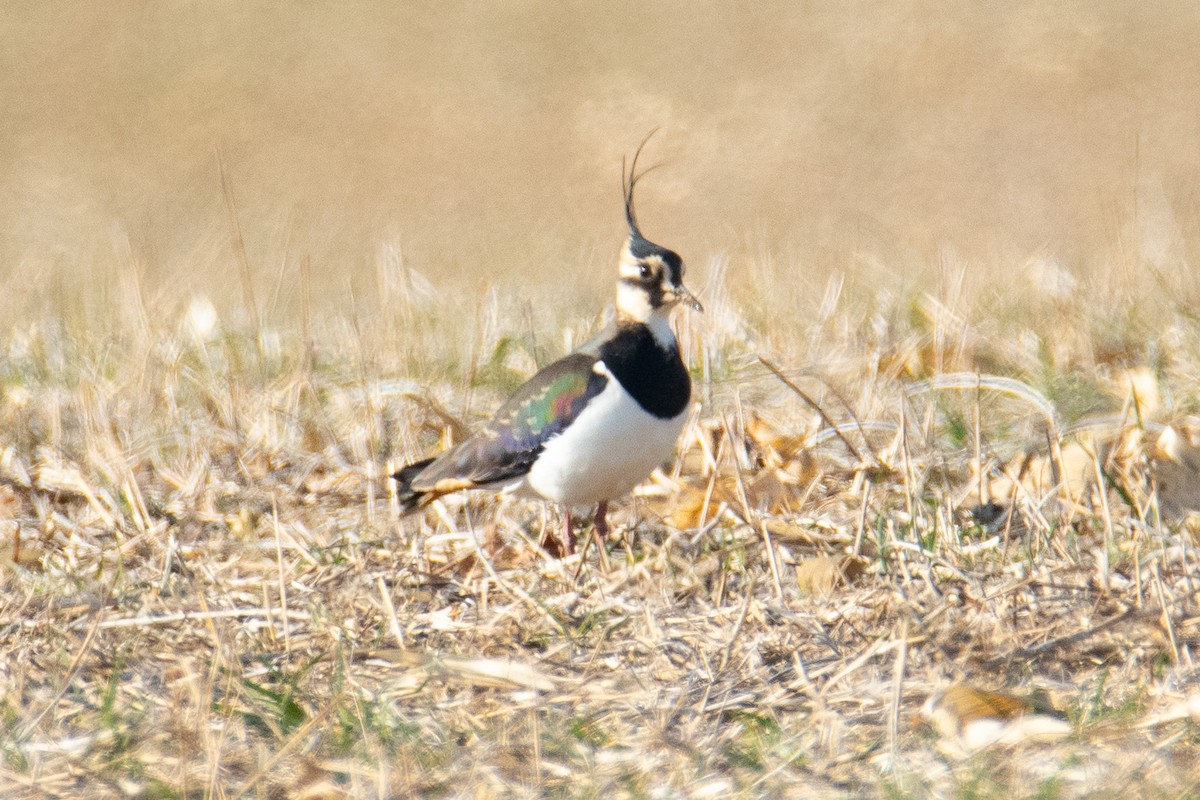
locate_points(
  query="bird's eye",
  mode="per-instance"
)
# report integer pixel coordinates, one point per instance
(644, 270)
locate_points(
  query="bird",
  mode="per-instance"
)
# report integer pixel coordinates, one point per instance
(589, 427)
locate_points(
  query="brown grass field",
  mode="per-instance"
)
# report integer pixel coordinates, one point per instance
(931, 532)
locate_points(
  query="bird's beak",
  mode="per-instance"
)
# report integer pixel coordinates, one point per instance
(682, 295)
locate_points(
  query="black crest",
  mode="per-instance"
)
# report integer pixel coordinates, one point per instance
(639, 245)
(629, 181)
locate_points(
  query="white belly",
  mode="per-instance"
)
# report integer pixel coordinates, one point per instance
(611, 447)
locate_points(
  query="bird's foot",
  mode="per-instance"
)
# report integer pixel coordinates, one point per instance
(600, 535)
(561, 546)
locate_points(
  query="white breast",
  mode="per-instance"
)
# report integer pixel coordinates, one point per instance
(611, 447)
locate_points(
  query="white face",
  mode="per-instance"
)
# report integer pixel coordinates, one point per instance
(641, 269)
(633, 302)
(645, 286)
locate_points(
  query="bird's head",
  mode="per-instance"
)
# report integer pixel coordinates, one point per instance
(650, 277)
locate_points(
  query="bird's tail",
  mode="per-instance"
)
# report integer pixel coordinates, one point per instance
(409, 498)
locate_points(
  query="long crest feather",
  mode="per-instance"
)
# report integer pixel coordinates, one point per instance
(630, 179)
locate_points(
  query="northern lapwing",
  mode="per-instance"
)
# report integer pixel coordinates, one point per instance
(589, 427)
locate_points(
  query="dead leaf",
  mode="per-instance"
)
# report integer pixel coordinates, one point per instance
(970, 719)
(315, 783)
(775, 446)
(771, 491)
(504, 555)
(694, 506)
(1038, 475)
(823, 574)
(698, 448)
(785, 532)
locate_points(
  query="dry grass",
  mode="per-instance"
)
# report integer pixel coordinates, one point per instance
(208, 593)
(965, 240)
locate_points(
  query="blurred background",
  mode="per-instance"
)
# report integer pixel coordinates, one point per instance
(480, 145)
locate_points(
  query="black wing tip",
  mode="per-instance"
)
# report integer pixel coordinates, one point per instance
(408, 497)
(406, 475)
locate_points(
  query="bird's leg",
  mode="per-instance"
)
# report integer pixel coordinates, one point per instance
(562, 545)
(601, 522)
(568, 537)
(600, 532)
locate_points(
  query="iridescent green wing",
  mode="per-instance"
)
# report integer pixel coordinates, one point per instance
(508, 445)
